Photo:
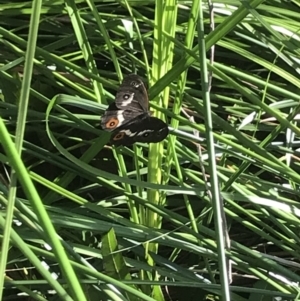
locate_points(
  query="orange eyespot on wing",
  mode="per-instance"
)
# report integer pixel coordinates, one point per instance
(119, 136)
(112, 123)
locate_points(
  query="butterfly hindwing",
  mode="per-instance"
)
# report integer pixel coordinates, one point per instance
(146, 129)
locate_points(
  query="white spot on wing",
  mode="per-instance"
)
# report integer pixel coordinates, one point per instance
(120, 117)
(144, 132)
(125, 103)
(129, 133)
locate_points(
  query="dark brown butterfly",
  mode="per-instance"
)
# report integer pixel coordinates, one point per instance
(129, 118)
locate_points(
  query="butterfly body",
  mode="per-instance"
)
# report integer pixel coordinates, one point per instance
(129, 118)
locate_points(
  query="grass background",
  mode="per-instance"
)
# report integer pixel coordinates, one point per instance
(82, 221)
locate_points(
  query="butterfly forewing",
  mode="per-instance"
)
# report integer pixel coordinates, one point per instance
(112, 120)
(132, 93)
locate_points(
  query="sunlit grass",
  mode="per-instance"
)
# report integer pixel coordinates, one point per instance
(138, 223)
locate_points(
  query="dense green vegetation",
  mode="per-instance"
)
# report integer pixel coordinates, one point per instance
(81, 220)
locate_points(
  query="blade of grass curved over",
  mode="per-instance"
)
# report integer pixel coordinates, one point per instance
(30, 191)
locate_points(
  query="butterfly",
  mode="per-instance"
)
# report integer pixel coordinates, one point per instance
(129, 118)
